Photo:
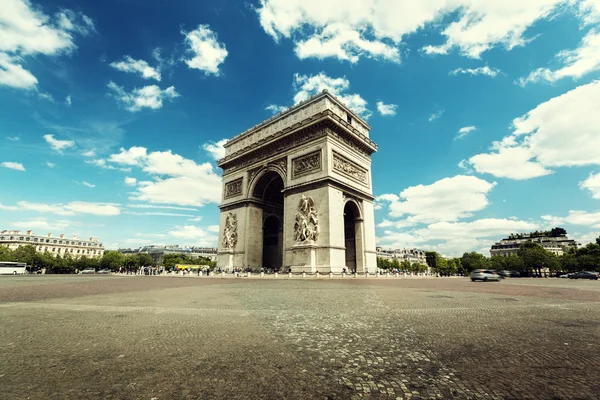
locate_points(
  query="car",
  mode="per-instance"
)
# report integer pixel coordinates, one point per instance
(515, 274)
(568, 275)
(504, 274)
(104, 271)
(485, 275)
(585, 275)
(88, 271)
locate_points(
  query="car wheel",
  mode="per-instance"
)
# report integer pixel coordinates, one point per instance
(14, 272)
(485, 279)
(472, 280)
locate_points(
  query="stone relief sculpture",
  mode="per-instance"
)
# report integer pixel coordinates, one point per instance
(230, 232)
(306, 227)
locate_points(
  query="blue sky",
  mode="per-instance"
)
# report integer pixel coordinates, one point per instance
(487, 114)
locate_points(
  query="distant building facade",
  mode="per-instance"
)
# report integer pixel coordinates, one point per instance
(157, 252)
(56, 245)
(557, 245)
(410, 255)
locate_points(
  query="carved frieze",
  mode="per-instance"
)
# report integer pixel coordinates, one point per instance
(281, 164)
(233, 188)
(306, 164)
(350, 169)
(347, 142)
(306, 227)
(230, 232)
(286, 143)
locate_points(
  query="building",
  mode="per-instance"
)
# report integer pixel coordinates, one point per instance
(410, 255)
(57, 245)
(157, 252)
(297, 192)
(557, 245)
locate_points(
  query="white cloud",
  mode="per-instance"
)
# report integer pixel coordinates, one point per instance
(195, 219)
(189, 232)
(455, 238)
(50, 165)
(98, 162)
(157, 213)
(26, 31)
(89, 153)
(12, 74)
(161, 207)
(72, 208)
(386, 109)
(216, 149)
(464, 131)
(134, 156)
(543, 138)
(307, 86)
(206, 50)
(575, 217)
(448, 199)
(46, 96)
(576, 63)
(13, 138)
(172, 175)
(13, 165)
(592, 183)
(40, 223)
(129, 181)
(275, 109)
(90, 185)
(147, 97)
(349, 30)
(487, 71)
(213, 228)
(58, 145)
(68, 100)
(141, 67)
(436, 115)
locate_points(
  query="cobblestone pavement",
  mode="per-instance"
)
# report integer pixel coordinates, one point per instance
(122, 337)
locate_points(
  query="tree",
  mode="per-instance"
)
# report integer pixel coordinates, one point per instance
(145, 260)
(170, 260)
(598, 240)
(405, 266)
(25, 254)
(514, 263)
(498, 263)
(556, 232)
(534, 257)
(112, 260)
(474, 260)
(6, 254)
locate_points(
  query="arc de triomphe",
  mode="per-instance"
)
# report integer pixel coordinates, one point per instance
(297, 192)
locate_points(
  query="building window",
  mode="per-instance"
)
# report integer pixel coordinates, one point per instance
(28, 239)
(349, 119)
(54, 249)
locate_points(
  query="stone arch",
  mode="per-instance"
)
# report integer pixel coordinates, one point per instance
(260, 174)
(354, 236)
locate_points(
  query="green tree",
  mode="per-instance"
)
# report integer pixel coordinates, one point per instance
(170, 260)
(534, 257)
(556, 232)
(112, 260)
(474, 260)
(498, 263)
(6, 254)
(25, 254)
(405, 266)
(598, 240)
(145, 260)
(514, 263)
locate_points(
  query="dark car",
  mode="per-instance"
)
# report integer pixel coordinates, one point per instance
(585, 275)
(515, 274)
(504, 274)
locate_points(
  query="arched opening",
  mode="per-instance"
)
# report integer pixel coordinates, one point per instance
(353, 237)
(272, 235)
(269, 191)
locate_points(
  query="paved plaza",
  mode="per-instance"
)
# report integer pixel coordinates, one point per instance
(146, 337)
